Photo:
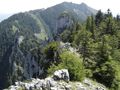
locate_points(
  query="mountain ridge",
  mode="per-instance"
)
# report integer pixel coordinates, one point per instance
(6, 16)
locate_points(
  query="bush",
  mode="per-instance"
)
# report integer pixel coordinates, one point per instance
(51, 49)
(71, 62)
(109, 74)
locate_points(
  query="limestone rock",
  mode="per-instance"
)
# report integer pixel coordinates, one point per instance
(61, 75)
(68, 87)
(50, 83)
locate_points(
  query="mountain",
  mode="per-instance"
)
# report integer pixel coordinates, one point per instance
(77, 11)
(22, 33)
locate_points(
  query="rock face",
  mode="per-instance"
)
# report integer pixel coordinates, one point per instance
(51, 83)
(17, 66)
(64, 22)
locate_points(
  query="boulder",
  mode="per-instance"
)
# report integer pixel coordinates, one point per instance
(61, 75)
(68, 87)
(53, 88)
(87, 82)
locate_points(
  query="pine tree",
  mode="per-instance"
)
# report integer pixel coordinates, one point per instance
(99, 17)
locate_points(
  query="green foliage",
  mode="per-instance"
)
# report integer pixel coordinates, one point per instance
(89, 73)
(69, 34)
(98, 42)
(109, 74)
(65, 36)
(71, 62)
(51, 50)
(116, 55)
(99, 17)
(82, 40)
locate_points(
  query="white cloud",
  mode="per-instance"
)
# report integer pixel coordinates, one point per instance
(14, 6)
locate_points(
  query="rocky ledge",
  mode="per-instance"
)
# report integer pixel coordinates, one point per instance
(59, 81)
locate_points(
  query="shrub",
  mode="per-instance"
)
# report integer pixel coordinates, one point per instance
(71, 62)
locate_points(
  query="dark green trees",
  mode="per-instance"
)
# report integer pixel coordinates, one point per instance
(98, 42)
(99, 17)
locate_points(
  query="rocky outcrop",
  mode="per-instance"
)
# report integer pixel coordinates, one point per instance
(68, 47)
(51, 83)
(61, 75)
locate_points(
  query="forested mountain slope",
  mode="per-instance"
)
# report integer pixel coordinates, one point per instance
(23, 34)
(68, 36)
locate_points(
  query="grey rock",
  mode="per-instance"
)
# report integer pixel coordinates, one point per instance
(80, 86)
(52, 84)
(61, 75)
(87, 82)
(64, 22)
(68, 87)
(53, 88)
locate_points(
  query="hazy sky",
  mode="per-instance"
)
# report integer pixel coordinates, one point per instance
(14, 6)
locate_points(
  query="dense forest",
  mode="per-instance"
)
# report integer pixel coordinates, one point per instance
(98, 43)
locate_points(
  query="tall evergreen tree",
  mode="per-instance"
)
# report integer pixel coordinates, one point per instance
(99, 17)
